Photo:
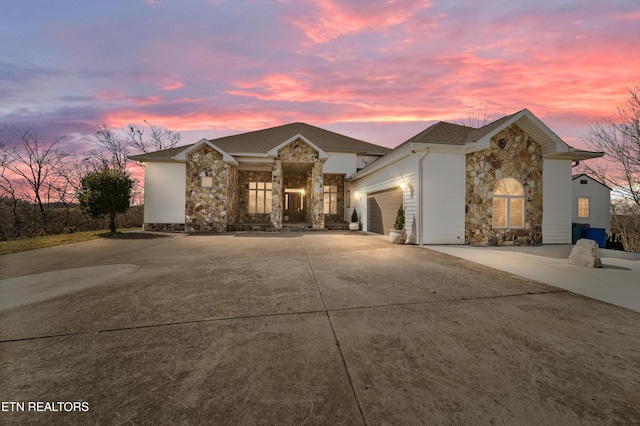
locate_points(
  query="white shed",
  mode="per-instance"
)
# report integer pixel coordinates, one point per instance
(591, 202)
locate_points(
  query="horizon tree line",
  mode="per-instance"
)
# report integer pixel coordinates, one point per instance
(40, 181)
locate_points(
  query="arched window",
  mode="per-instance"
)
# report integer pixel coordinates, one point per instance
(508, 204)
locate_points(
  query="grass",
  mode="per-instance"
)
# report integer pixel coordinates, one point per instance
(32, 243)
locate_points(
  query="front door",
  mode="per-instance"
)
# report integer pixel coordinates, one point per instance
(294, 205)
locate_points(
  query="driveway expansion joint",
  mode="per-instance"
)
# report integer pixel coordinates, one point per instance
(335, 337)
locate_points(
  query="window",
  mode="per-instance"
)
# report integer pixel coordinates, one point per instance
(348, 198)
(508, 204)
(583, 207)
(260, 197)
(206, 182)
(583, 182)
(330, 199)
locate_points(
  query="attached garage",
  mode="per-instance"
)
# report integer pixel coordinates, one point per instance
(382, 208)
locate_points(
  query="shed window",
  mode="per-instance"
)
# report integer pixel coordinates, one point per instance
(508, 204)
(583, 207)
(583, 181)
(260, 197)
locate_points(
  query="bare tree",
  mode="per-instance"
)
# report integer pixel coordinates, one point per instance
(30, 162)
(112, 150)
(475, 116)
(113, 147)
(159, 138)
(619, 138)
(71, 171)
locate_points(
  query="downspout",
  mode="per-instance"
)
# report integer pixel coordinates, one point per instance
(420, 195)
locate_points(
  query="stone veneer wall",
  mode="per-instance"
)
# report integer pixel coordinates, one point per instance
(513, 154)
(337, 180)
(207, 208)
(244, 177)
(233, 200)
(299, 152)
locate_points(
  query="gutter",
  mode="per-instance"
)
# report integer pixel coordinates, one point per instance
(402, 151)
(420, 195)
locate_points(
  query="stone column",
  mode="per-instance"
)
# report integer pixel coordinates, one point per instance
(317, 208)
(277, 194)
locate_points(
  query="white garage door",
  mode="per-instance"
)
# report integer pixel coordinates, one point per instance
(382, 208)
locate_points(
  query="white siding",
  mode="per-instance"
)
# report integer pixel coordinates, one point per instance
(403, 171)
(339, 162)
(599, 203)
(556, 199)
(164, 192)
(443, 199)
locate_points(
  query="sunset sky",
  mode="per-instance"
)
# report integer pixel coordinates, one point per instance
(377, 70)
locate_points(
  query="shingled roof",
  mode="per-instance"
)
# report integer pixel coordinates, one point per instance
(455, 134)
(261, 141)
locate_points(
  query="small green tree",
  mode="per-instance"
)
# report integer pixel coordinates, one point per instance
(399, 225)
(354, 216)
(105, 192)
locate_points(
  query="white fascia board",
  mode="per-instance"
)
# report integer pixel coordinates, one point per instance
(182, 155)
(560, 145)
(321, 154)
(447, 149)
(399, 153)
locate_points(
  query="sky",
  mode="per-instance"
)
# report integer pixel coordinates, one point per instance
(376, 70)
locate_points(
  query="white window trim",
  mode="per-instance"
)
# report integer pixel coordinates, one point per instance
(264, 190)
(578, 208)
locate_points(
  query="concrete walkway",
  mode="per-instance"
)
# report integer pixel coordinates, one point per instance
(303, 328)
(617, 282)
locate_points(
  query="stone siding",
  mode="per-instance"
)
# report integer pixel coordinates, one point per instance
(277, 195)
(299, 151)
(337, 180)
(512, 154)
(206, 208)
(164, 227)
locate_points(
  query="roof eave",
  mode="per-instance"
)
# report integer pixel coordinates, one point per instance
(401, 152)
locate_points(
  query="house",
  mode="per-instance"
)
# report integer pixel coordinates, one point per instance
(506, 183)
(591, 203)
(285, 175)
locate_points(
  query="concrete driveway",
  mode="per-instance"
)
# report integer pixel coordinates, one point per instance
(617, 282)
(306, 328)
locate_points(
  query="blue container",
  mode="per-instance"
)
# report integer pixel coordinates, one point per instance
(576, 234)
(599, 235)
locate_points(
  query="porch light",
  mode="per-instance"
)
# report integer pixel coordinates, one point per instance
(358, 196)
(403, 185)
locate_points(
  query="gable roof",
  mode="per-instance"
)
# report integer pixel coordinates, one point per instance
(459, 139)
(471, 139)
(260, 142)
(574, 177)
(443, 133)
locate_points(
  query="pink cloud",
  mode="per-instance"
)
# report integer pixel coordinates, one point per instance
(146, 100)
(172, 85)
(325, 20)
(109, 96)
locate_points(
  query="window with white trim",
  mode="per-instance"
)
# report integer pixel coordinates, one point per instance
(508, 204)
(330, 199)
(583, 207)
(260, 197)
